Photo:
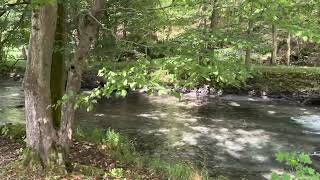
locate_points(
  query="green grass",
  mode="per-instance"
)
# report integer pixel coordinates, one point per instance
(177, 170)
(123, 150)
(14, 132)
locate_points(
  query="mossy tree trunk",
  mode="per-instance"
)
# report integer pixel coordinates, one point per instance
(41, 135)
(49, 130)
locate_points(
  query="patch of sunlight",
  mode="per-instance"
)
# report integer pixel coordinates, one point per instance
(235, 104)
(159, 131)
(163, 114)
(149, 116)
(260, 158)
(177, 144)
(201, 129)
(190, 138)
(14, 95)
(217, 120)
(164, 130)
(185, 102)
(190, 119)
(271, 112)
(239, 142)
(99, 115)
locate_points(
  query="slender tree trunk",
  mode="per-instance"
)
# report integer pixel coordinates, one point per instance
(214, 20)
(41, 136)
(214, 16)
(274, 45)
(248, 49)
(1, 54)
(88, 29)
(289, 49)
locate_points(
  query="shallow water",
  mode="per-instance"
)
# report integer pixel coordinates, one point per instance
(233, 136)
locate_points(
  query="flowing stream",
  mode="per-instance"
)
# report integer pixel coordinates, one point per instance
(233, 136)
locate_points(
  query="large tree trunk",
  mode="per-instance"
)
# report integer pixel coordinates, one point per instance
(41, 135)
(88, 29)
(49, 131)
(274, 45)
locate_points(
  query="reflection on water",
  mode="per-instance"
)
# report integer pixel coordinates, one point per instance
(236, 136)
(11, 99)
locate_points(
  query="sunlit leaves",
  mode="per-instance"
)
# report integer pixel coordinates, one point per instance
(299, 162)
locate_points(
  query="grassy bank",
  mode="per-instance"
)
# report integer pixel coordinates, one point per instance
(291, 81)
(95, 155)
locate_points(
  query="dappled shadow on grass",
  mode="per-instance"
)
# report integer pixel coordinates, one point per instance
(88, 160)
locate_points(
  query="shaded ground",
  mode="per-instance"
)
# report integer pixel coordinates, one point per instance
(8, 151)
(89, 161)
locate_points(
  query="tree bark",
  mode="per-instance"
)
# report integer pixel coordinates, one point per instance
(49, 133)
(214, 16)
(289, 49)
(88, 29)
(58, 72)
(1, 54)
(248, 49)
(40, 133)
(274, 45)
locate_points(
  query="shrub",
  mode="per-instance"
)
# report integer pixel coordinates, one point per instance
(299, 164)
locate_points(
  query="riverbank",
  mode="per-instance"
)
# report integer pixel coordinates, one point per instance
(99, 154)
(298, 84)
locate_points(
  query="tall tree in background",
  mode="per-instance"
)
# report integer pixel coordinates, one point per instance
(288, 49)
(274, 45)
